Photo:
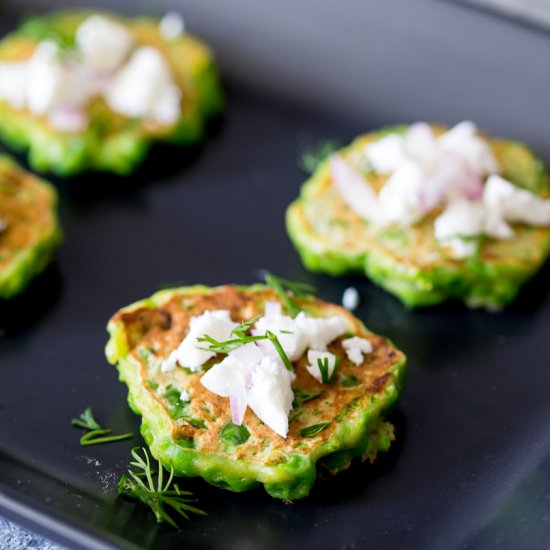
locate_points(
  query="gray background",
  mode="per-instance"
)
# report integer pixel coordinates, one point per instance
(375, 63)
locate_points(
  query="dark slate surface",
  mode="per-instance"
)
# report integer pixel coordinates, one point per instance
(471, 466)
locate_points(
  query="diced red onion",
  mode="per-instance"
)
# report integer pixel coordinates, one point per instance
(453, 178)
(249, 379)
(68, 119)
(237, 412)
(354, 188)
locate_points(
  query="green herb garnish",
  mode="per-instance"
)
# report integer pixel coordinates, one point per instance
(242, 329)
(179, 408)
(302, 396)
(309, 160)
(233, 435)
(314, 429)
(230, 345)
(323, 365)
(156, 494)
(96, 435)
(347, 409)
(287, 289)
(349, 381)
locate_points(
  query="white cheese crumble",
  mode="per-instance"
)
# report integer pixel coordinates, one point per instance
(190, 353)
(144, 88)
(386, 155)
(461, 221)
(296, 335)
(13, 83)
(399, 200)
(57, 86)
(350, 298)
(47, 79)
(103, 43)
(425, 172)
(514, 204)
(184, 396)
(172, 25)
(356, 348)
(254, 374)
(502, 203)
(314, 357)
(270, 396)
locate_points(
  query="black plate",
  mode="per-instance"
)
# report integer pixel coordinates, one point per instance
(471, 466)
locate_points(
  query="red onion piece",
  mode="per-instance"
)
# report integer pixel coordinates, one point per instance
(249, 379)
(453, 178)
(68, 119)
(238, 408)
(354, 188)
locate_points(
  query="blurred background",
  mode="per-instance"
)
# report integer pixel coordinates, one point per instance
(377, 62)
(357, 64)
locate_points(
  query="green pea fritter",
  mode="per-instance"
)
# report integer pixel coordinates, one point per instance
(409, 262)
(330, 424)
(29, 230)
(111, 141)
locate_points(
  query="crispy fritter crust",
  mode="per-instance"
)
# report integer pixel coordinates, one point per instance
(112, 142)
(410, 263)
(28, 206)
(159, 325)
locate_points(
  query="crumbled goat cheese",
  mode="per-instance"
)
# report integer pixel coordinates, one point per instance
(144, 88)
(296, 335)
(51, 85)
(172, 25)
(425, 172)
(463, 140)
(356, 348)
(350, 298)
(184, 396)
(270, 395)
(314, 357)
(399, 199)
(461, 221)
(13, 83)
(502, 203)
(515, 204)
(229, 379)
(47, 79)
(103, 43)
(189, 354)
(387, 154)
(254, 375)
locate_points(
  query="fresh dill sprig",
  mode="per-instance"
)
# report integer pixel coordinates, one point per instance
(96, 434)
(310, 159)
(302, 396)
(286, 290)
(156, 494)
(314, 429)
(86, 420)
(241, 330)
(322, 363)
(349, 381)
(228, 346)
